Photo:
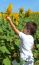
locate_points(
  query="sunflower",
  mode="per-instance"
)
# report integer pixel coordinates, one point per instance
(16, 18)
(9, 9)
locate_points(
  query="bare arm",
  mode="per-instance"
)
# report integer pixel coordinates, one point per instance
(13, 26)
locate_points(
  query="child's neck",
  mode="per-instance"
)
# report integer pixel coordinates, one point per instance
(27, 33)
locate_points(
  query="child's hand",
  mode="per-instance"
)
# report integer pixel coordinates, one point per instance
(8, 18)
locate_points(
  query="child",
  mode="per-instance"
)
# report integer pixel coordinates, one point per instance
(27, 42)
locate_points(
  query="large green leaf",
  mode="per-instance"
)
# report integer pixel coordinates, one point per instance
(6, 61)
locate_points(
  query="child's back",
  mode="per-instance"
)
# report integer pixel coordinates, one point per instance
(26, 45)
(27, 42)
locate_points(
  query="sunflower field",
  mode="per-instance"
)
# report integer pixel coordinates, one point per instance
(9, 41)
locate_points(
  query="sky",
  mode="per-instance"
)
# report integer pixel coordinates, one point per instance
(17, 4)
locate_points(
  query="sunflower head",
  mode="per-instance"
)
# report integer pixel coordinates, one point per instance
(9, 9)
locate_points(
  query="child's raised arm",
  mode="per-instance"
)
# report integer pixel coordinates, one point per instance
(13, 26)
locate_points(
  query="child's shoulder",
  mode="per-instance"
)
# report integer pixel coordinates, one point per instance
(25, 36)
(31, 38)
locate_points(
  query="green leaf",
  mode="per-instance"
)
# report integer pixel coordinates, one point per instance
(37, 62)
(6, 61)
(3, 49)
(37, 46)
